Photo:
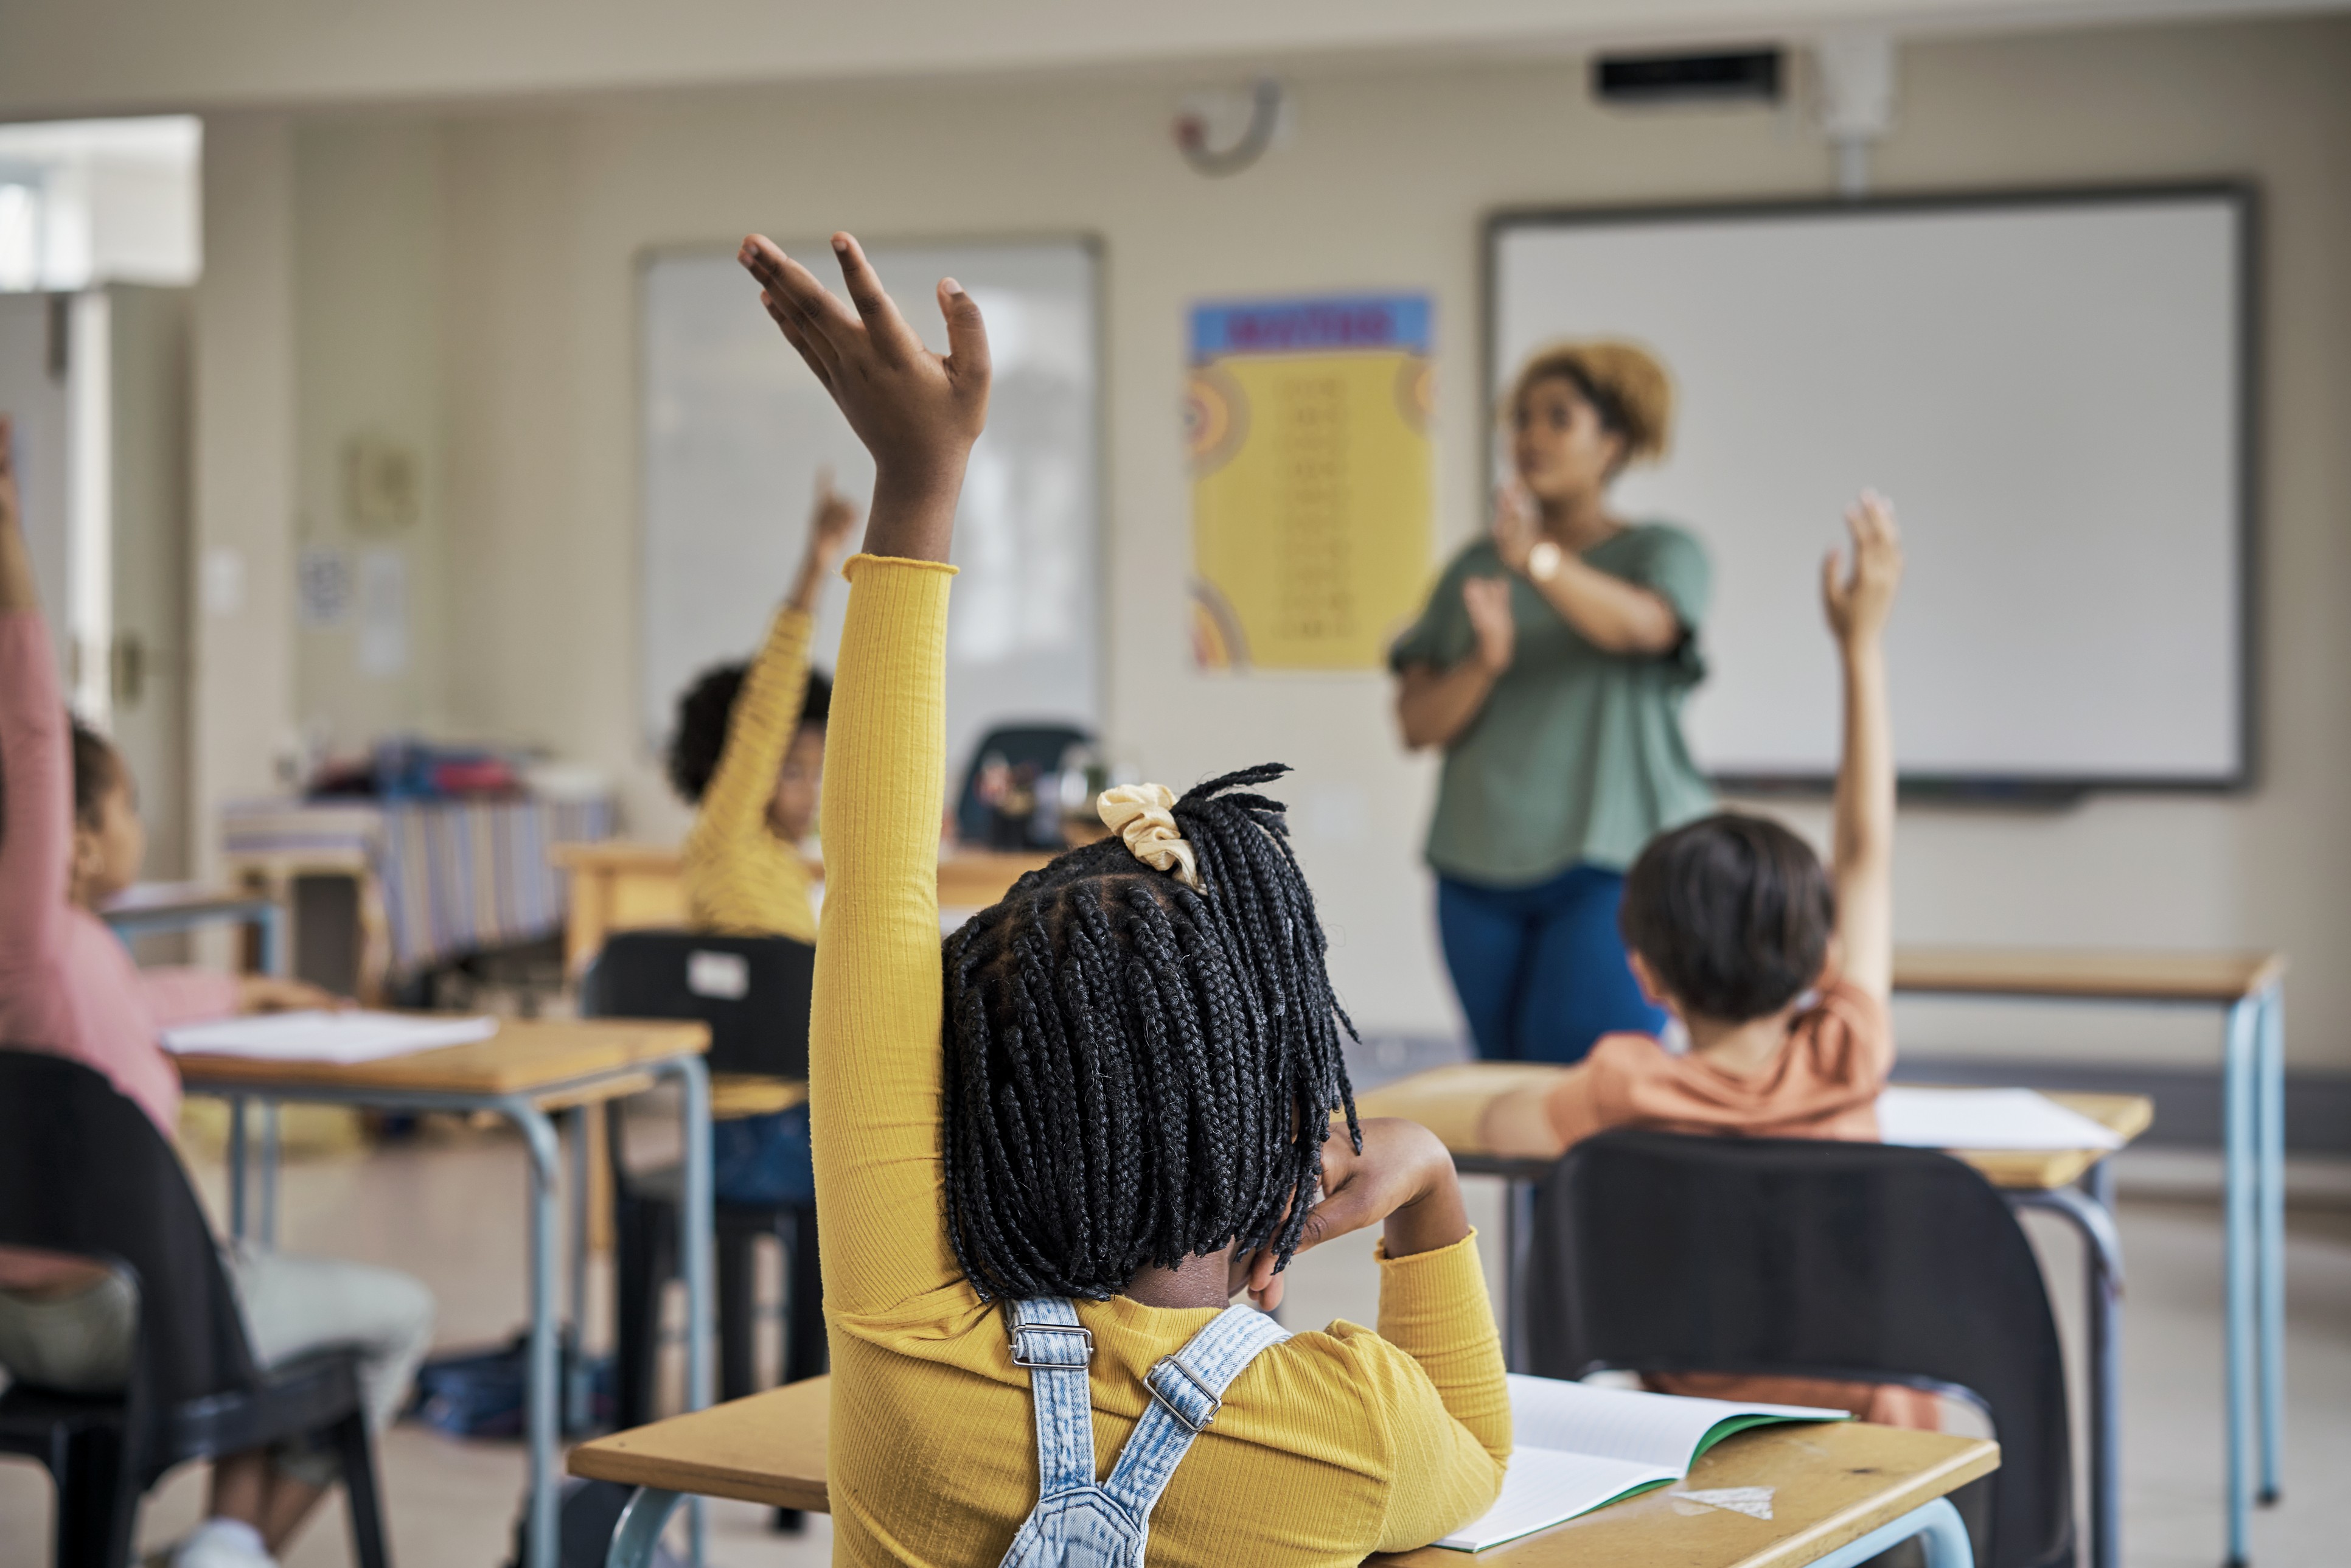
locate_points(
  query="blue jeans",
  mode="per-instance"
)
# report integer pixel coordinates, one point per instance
(1540, 970)
(763, 1159)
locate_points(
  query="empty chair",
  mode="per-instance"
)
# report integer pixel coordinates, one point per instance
(1654, 1252)
(83, 1171)
(753, 992)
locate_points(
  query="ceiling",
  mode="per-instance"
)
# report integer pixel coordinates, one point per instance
(108, 57)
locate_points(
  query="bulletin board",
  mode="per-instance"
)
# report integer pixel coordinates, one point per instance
(1311, 497)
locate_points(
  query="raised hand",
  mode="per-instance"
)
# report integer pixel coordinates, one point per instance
(1488, 600)
(1858, 602)
(831, 520)
(917, 412)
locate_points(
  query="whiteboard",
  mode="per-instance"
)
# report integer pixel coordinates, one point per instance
(2052, 390)
(735, 429)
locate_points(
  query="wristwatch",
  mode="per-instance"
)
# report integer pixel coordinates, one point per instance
(1542, 562)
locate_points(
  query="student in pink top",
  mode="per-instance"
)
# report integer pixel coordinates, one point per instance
(1777, 969)
(69, 839)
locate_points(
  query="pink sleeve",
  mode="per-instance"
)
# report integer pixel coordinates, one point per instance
(36, 795)
(178, 996)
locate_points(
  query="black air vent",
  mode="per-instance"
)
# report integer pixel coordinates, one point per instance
(1750, 76)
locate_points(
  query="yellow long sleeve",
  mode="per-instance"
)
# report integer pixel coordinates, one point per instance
(739, 877)
(1330, 1446)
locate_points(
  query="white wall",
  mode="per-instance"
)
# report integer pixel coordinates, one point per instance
(369, 362)
(242, 696)
(545, 209)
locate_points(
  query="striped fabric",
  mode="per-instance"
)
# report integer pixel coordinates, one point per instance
(457, 877)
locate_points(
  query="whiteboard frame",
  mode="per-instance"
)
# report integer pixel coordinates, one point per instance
(651, 747)
(2240, 196)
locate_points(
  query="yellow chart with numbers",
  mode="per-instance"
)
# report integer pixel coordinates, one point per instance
(1312, 485)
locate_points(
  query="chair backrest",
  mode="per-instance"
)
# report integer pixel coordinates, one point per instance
(1655, 1253)
(753, 992)
(83, 1171)
(1040, 746)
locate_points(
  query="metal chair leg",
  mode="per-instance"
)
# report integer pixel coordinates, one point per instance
(356, 1446)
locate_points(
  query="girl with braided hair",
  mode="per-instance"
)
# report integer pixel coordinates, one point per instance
(1051, 1152)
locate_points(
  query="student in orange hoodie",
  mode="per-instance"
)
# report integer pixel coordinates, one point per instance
(1777, 967)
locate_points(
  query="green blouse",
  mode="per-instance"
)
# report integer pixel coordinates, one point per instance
(1578, 754)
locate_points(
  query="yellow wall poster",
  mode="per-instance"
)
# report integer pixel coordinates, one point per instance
(1311, 494)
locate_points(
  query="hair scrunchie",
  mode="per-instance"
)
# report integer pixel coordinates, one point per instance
(1142, 815)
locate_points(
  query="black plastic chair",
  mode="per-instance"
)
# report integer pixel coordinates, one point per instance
(753, 992)
(1040, 746)
(1659, 1253)
(83, 1172)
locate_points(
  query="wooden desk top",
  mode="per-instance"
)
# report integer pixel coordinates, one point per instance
(182, 898)
(1451, 1102)
(962, 865)
(1831, 1484)
(2085, 973)
(526, 1054)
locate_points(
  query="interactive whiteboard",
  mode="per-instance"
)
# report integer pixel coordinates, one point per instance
(735, 429)
(2054, 391)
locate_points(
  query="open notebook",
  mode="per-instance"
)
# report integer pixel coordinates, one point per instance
(1578, 1447)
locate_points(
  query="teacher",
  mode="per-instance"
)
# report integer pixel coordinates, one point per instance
(1550, 666)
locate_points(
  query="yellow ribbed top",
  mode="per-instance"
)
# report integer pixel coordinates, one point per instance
(741, 878)
(1330, 1446)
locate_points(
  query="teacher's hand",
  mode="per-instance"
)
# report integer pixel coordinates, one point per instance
(1488, 600)
(1516, 525)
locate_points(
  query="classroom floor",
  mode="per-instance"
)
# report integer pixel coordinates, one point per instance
(450, 1210)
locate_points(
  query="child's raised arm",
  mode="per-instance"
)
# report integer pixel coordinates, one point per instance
(1858, 602)
(874, 1062)
(35, 753)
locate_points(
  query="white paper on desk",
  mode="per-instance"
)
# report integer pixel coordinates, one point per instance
(1986, 1119)
(342, 1037)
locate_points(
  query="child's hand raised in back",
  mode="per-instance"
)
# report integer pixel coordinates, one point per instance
(1859, 602)
(916, 412)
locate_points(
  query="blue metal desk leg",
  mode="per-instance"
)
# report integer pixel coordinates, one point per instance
(1517, 1242)
(577, 1395)
(1937, 1525)
(639, 1533)
(2239, 1082)
(267, 1175)
(2271, 1239)
(539, 1386)
(236, 1167)
(697, 1226)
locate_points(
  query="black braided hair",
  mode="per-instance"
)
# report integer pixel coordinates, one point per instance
(1137, 1073)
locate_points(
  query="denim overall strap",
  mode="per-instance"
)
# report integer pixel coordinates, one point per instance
(1188, 1389)
(1048, 1339)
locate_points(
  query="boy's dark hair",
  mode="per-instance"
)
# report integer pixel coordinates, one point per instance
(703, 714)
(1732, 912)
(1137, 1073)
(95, 767)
